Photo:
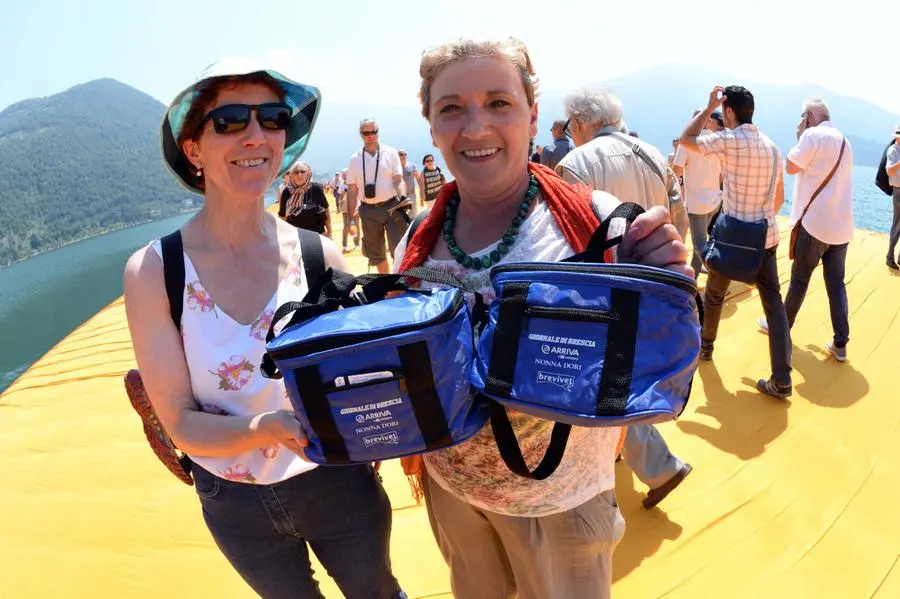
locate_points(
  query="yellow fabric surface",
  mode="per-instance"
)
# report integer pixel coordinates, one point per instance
(787, 499)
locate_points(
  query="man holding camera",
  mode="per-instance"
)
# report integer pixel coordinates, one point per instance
(374, 179)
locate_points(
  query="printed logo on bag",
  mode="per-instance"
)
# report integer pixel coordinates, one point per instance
(562, 340)
(382, 439)
(564, 381)
(372, 406)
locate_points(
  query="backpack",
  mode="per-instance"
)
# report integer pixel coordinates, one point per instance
(882, 181)
(173, 272)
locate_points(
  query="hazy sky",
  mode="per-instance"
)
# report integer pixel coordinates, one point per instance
(369, 50)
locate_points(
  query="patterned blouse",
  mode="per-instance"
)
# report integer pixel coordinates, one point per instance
(473, 471)
(223, 357)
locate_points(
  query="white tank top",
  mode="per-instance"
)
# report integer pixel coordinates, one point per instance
(223, 357)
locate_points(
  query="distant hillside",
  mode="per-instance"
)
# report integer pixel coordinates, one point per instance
(658, 103)
(79, 163)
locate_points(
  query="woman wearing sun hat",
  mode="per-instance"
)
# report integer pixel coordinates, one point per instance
(228, 137)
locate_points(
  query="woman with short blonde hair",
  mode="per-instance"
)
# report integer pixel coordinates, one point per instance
(501, 533)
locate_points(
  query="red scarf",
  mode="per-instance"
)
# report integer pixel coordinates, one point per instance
(570, 207)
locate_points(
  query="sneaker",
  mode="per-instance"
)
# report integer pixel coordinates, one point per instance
(770, 387)
(763, 324)
(839, 353)
(892, 264)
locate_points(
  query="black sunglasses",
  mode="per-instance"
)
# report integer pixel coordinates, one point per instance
(566, 129)
(232, 118)
(369, 133)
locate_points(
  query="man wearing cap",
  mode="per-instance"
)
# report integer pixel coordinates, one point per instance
(893, 170)
(375, 180)
(702, 176)
(561, 145)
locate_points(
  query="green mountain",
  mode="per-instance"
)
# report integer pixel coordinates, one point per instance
(79, 163)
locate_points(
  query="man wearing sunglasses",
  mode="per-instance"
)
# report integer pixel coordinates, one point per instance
(375, 179)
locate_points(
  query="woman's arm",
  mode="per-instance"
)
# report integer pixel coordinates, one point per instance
(160, 357)
(317, 194)
(282, 202)
(333, 256)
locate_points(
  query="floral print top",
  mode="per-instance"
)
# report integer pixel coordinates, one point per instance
(223, 357)
(473, 470)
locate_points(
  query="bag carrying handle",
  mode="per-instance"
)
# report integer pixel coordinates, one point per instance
(503, 359)
(597, 246)
(335, 290)
(512, 454)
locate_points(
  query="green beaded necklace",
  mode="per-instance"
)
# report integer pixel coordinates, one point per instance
(506, 242)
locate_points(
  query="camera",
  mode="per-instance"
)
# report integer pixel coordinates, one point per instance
(369, 190)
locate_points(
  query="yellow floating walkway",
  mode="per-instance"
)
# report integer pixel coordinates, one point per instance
(787, 499)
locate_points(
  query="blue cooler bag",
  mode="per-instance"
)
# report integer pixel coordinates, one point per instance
(372, 378)
(585, 344)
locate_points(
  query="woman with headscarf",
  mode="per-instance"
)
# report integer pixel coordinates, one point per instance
(302, 202)
(227, 137)
(500, 533)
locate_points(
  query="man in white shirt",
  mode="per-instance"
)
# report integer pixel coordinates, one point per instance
(605, 159)
(608, 160)
(702, 177)
(374, 179)
(826, 229)
(892, 166)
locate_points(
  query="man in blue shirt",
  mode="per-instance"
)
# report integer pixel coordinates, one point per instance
(561, 145)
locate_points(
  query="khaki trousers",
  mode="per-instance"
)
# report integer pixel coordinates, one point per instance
(495, 556)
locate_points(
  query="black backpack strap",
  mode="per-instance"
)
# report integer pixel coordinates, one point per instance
(313, 257)
(173, 272)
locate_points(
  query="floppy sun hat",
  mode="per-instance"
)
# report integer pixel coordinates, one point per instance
(304, 101)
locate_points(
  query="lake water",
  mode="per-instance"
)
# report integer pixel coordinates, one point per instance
(46, 297)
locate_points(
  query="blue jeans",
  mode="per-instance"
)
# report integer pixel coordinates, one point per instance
(699, 235)
(265, 531)
(807, 254)
(776, 317)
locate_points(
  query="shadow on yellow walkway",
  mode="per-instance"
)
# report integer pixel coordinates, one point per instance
(787, 499)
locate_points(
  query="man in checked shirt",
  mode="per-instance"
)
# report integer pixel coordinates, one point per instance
(753, 190)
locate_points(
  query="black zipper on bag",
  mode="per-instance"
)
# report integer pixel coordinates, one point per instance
(602, 269)
(571, 314)
(336, 341)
